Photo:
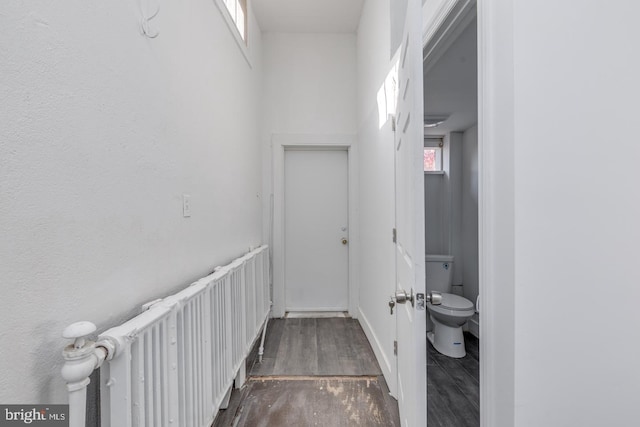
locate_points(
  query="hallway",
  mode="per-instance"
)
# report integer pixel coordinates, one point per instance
(315, 371)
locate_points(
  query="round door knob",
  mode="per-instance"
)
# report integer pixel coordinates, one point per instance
(344, 241)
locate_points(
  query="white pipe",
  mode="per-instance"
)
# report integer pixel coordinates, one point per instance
(81, 359)
(77, 412)
(264, 334)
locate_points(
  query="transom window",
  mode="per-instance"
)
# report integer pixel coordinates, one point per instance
(238, 11)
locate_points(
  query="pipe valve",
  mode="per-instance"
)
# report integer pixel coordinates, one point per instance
(78, 332)
(80, 360)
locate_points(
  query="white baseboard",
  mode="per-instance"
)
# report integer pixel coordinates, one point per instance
(474, 327)
(316, 309)
(314, 314)
(384, 363)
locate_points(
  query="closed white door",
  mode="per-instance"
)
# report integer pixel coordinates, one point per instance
(409, 177)
(316, 230)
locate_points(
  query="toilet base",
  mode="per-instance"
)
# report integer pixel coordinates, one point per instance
(447, 340)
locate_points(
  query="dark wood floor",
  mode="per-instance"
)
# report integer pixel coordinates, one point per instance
(323, 372)
(453, 393)
(326, 347)
(317, 401)
(315, 372)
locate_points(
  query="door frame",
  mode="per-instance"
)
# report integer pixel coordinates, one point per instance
(496, 211)
(279, 144)
(495, 189)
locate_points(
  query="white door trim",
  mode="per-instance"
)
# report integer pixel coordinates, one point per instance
(441, 29)
(280, 143)
(495, 186)
(496, 212)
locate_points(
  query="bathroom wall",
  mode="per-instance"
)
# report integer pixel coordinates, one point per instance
(436, 212)
(443, 205)
(451, 211)
(103, 131)
(455, 208)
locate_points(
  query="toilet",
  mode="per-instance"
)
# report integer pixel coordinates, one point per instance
(449, 317)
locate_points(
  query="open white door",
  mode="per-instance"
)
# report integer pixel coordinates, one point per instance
(410, 271)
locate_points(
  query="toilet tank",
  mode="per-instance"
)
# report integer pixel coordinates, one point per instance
(439, 272)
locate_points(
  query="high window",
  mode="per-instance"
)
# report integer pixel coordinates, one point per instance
(238, 11)
(433, 155)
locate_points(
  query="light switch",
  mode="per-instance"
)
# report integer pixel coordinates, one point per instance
(186, 205)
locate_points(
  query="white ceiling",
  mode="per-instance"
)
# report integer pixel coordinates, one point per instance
(451, 85)
(308, 16)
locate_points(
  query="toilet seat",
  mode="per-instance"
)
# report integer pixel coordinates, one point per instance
(454, 303)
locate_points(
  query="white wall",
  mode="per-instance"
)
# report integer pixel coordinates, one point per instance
(564, 232)
(376, 202)
(397, 15)
(309, 86)
(469, 228)
(309, 83)
(102, 132)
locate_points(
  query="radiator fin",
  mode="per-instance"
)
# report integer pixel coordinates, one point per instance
(177, 360)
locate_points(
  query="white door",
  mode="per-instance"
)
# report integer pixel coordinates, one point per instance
(409, 177)
(316, 230)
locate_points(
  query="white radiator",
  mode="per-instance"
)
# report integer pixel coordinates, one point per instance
(174, 363)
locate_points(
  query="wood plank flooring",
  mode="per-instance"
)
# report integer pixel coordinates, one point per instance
(325, 347)
(345, 401)
(314, 372)
(453, 393)
(323, 372)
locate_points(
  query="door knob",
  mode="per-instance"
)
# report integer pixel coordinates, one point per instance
(403, 296)
(434, 298)
(344, 241)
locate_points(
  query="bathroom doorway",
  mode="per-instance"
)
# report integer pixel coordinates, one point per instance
(451, 200)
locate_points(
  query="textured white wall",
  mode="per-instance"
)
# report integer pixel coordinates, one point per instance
(102, 132)
(376, 201)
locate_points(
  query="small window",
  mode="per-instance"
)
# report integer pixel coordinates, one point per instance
(238, 11)
(433, 155)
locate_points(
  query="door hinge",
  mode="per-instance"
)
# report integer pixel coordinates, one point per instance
(395, 348)
(395, 235)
